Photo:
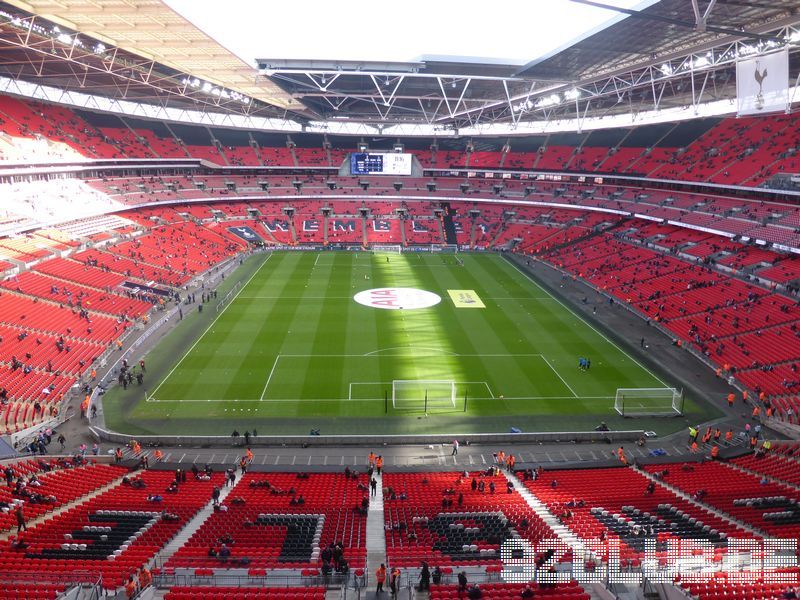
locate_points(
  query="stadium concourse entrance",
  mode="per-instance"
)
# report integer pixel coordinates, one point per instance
(388, 395)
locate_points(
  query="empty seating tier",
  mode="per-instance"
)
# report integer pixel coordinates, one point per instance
(113, 534)
(244, 593)
(770, 506)
(441, 519)
(281, 520)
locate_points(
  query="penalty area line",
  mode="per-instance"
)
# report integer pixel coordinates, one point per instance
(266, 385)
(222, 312)
(585, 322)
(564, 381)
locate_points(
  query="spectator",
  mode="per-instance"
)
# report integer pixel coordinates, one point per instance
(424, 578)
(130, 587)
(462, 582)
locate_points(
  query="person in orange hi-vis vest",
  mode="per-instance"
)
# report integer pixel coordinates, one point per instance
(130, 587)
(145, 578)
(715, 452)
(380, 578)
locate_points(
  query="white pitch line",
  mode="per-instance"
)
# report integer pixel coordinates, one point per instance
(266, 385)
(222, 312)
(350, 298)
(564, 381)
(589, 325)
(303, 400)
(488, 389)
(413, 349)
(373, 355)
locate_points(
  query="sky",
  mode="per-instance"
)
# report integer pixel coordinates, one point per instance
(398, 30)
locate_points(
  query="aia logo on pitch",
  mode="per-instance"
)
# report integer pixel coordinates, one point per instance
(397, 298)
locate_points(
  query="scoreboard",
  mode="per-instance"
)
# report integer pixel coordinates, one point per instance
(380, 163)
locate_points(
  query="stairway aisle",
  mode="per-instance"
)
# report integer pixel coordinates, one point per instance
(376, 535)
(193, 525)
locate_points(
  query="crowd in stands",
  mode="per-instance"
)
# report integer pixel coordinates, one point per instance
(60, 316)
(443, 529)
(717, 295)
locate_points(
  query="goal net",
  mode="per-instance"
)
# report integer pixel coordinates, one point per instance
(226, 299)
(648, 402)
(421, 394)
(447, 248)
(387, 249)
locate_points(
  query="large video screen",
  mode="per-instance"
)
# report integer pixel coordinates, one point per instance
(380, 163)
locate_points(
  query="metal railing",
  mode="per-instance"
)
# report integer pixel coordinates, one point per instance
(239, 577)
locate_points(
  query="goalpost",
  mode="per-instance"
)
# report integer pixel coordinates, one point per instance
(649, 402)
(447, 248)
(387, 249)
(421, 394)
(229, 296)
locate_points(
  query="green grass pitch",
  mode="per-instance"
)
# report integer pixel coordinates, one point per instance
(294, 351)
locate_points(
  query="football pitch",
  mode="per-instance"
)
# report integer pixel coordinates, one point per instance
(355, 343)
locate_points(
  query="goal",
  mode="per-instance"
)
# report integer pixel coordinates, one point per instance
(387, 249)
(649, 402)
(229, 296)
(420, 394)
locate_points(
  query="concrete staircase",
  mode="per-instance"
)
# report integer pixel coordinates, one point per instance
(563, 533)
(376, 534)
(193, 525)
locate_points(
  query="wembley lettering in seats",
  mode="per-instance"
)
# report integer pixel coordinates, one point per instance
(107, 532)
(397, 298)
(300, 533)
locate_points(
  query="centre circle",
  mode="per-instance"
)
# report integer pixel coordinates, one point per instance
(397, 298)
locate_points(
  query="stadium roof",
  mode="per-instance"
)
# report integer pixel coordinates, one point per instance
(662, 31)
(673, 54)
(151, 30)
(665, 54)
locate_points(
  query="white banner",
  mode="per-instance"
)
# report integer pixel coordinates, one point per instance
(762, 84)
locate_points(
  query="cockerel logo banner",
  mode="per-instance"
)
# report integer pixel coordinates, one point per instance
(762, 84)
